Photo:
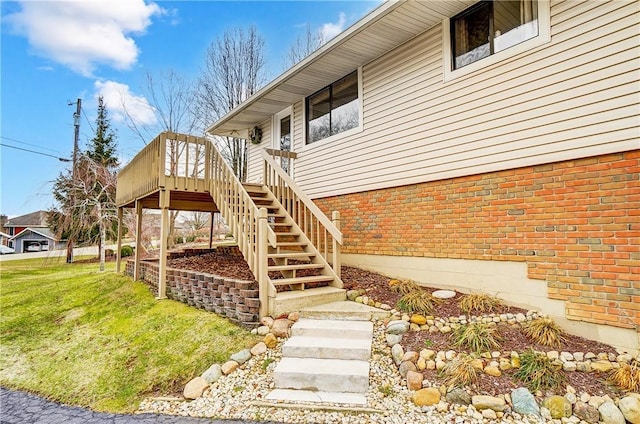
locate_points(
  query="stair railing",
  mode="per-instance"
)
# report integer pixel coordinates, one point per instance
(246, 222)
(324, 234)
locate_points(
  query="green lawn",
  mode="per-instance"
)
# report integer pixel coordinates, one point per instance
(99, 340)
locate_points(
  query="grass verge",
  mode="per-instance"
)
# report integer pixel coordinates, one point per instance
(99, 340)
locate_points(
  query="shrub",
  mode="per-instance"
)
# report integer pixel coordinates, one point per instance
(479, 303)
(477, 337)
(459, 372)
(627, 377)
(126, 251)
(544, 331)
(538, 372)
(404, 286)
(417, 302)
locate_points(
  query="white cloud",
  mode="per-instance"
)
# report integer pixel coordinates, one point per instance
(121, 101)
(83, 34)
(331, 29)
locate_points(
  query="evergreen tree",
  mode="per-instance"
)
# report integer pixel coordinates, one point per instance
(102, 147)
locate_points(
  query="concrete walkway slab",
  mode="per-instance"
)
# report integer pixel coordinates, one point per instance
(288, 395)
(344, 310)
(333, 328)
(327, 348)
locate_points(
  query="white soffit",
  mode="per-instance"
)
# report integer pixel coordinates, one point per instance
(385, 28)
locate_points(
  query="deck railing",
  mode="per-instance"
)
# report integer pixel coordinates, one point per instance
(172, 161)
(324, 234)
(247, 223)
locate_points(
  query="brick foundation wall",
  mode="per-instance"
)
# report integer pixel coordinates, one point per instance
(576, 224)
(237, 300)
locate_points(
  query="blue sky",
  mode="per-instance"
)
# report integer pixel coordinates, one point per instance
(53, 52)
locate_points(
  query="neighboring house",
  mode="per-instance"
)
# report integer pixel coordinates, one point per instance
(30, 232)
(486, 146)
(4, 238)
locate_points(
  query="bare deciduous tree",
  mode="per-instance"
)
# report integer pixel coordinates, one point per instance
(304, 45)
(233, 71)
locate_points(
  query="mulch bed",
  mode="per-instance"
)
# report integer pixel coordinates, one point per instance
(377, 288)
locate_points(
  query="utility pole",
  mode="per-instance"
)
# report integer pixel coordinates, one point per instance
(76, 136)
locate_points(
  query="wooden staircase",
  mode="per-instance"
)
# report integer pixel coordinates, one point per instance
(300, 274)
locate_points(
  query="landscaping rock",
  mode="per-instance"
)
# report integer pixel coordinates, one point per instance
(427, 354)
(397, 327)
(586, 412)
(397, 352)
(410, 356)
(263, 330)
(426, 397)
(481, 402)
(352, 294)
(414, 380)
(242, 356)
(270, 340)
(610, 414)
(294, 316)
(418, 319)
(267, 321)
(229, 367)
(259, 349)
(405, 367)
(458, 396)
(212, 374)
(630, 408)
(493, 371)
(280, 327)
(558, 406)
(489, 414)
(195, 388)
(601, 365)
(421, 364)
(393, 339)
(524, 402)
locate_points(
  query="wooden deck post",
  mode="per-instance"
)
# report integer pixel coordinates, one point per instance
(211, 231)
(164, 235)
(335, 218)
(136, 253)
(263, 275)
(119, 244)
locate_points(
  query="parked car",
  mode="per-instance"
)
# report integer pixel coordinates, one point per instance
(4, 250)
(34, 247)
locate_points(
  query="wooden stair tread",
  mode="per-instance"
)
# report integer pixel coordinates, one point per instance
(301, 280)
(295, 266)
(291, 255)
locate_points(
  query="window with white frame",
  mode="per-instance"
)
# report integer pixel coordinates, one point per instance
(490, 27)
(333, 109)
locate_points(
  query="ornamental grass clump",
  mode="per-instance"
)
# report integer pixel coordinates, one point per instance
(627, 377)
(417, 302)
(480, 303)
(538, 372)
(544, 331)
(403, 287)
(477, 337)
(459, 372)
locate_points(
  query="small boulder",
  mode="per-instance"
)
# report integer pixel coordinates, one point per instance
(242, 356)
(267, 321)
(410, 356)
(259, 349)
(601, 366)
(426, 397)
(586, 412)
(630, 408)
(398, 327)
(397, 352)
(414, 380)
(481, 402)
(270, 340)
(229, 367)
(280, 327)
(523, 402)
(263, 330)
(492, 371)
(212, 374)
(405, 367)
(459, 396)
(610, 414)
(195, 388)
(352, 294)
(393, 339)
(418, 319)
(558, 406)
(294, 316)
(489, 414)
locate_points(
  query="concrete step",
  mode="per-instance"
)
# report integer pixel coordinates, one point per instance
(325, 375)
(343, 310)
(286, 302)
(327, 348)
(333, 328)
(308, 396)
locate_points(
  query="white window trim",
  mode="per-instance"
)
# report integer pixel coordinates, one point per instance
(275, 121)
(544, 36)
(343, 134)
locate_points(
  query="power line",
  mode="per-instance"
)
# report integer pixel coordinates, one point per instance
(29, 144)
(88, 122)
(37, 153)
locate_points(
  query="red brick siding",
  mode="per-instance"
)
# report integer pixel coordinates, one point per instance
(576, 224)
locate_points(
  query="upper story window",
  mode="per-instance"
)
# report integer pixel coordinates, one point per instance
(334, 109)
(491, 26)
